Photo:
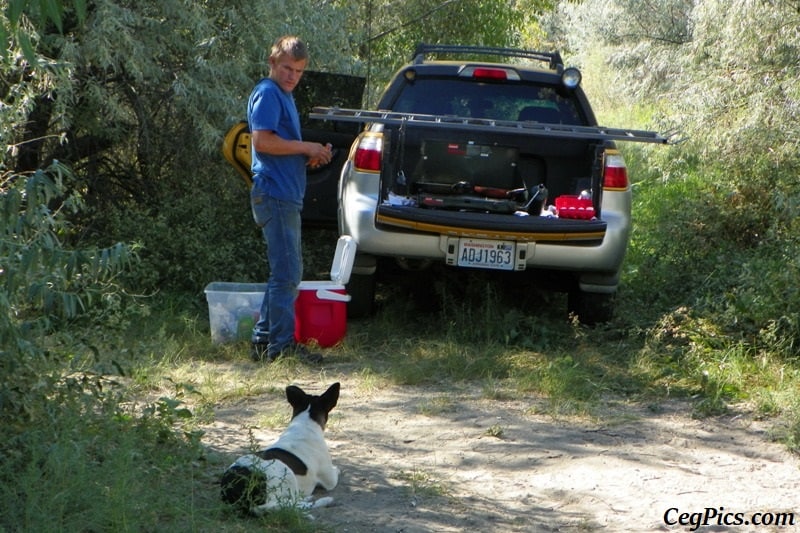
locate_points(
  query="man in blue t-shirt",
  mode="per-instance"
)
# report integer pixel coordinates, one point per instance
(279, 159)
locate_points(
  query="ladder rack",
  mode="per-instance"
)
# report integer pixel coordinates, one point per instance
(598, 133)
(553, 59)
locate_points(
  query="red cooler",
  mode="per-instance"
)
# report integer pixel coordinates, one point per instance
(321, 306)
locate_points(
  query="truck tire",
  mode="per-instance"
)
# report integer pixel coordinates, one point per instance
(361, 289)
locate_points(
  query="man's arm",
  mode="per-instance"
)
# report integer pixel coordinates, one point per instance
(268, 142)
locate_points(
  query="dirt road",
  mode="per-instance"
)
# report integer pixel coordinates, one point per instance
(420, 460)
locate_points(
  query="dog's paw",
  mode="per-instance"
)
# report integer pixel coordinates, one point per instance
(325, 501)
(310, 503)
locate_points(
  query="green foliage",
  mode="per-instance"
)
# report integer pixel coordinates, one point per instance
(78, 453)
(43, 285)
(715, 217)
(16, 13)
(396, 28)
(711, 270)
(50, 11)
(93, 464)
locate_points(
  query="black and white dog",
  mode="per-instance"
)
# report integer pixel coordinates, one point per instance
(286, 473)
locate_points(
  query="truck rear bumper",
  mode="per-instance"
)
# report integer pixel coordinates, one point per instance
(588, 246)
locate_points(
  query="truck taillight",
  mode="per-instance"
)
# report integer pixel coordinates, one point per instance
(616, 173)
(368, 153)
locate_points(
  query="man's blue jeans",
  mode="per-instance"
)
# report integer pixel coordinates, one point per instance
(280, 225)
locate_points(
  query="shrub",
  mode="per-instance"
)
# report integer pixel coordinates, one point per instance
(43, 286)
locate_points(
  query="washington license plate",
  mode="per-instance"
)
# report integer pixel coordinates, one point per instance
(480, 253)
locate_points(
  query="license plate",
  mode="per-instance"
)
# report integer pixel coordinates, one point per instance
(480, 253)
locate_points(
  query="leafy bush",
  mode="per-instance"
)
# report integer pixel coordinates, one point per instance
(715, 217)
(43, 285)
(66, 423)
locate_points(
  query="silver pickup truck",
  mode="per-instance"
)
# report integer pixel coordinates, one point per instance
(491, 164)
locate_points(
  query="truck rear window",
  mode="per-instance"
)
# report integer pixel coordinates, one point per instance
(451, 162)
(499, 101)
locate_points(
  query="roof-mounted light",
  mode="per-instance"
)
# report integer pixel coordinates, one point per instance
(571, 78)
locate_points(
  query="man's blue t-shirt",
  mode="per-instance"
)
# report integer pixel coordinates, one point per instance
(270, 108)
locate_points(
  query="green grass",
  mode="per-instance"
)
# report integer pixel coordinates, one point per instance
(419, 485)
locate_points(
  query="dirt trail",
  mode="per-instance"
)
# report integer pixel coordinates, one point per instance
(419, 460)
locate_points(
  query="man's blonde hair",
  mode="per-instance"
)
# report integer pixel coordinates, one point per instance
(289, 45)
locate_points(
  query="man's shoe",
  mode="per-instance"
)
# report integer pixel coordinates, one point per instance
(306, 356)
(299, 351)
(259, 352)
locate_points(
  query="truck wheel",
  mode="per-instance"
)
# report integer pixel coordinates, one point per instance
(361, 286)
(361, 289)
(590, 307)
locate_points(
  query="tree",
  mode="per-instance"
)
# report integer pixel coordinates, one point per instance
(726, 74)
(42, 284)
(40, 13)
(395, 28)
(722, 70)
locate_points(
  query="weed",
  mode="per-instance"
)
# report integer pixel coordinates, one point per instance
(420, 484)
(792, 438)
(276, 421)
(495, 389)
(495, 431)
(437, 406)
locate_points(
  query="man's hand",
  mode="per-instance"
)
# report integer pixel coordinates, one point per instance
(319, 155)
(268, 142)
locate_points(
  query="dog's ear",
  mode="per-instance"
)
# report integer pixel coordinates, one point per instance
(330, 397)
(322, 405)
(298, 399)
